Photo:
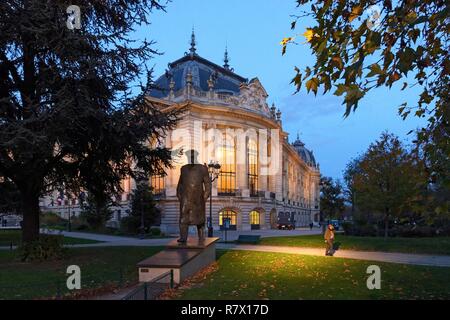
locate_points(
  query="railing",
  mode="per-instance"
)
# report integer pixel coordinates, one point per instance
(149, 290)
(227, 192)
(159, 194)
(200, 94)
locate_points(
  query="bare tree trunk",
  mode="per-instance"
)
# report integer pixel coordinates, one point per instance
(30, 210)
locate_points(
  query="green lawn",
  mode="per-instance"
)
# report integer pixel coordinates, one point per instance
(438, 245)
(99, 267)
(15, 236)
(257, 275)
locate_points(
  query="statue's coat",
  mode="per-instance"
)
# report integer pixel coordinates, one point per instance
(192, 191)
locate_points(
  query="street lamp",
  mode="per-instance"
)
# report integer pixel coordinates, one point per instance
(214, 171)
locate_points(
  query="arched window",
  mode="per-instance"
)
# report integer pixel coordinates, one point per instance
(252, 160)
(228, 214)
(157, 184)
(226, 184)
(255, 220)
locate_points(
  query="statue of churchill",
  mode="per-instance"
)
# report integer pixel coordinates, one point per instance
(192, 191)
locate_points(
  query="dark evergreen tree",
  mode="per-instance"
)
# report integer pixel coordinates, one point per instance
(69, 109)
(144, 211)
(96, 212)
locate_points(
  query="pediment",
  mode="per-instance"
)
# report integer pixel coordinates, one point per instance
(253, 96)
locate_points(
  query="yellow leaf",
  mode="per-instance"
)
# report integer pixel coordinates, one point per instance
(309, 34)
(356, 12)
(285, 41)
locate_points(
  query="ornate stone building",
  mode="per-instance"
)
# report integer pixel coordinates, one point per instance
(227, 120)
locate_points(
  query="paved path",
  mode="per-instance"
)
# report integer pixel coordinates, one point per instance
(231, 235)
(404, 258)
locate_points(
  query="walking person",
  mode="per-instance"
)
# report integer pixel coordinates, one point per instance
(311, 225)
(329, 239)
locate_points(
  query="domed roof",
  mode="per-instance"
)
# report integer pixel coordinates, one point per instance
(304, 153)
(196, 79)
(201, 71)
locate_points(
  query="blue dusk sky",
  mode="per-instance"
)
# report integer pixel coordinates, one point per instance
(252, 30)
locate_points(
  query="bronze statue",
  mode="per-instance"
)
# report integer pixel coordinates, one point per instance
(193, 190)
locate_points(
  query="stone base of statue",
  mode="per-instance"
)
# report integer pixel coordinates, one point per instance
(185, 259)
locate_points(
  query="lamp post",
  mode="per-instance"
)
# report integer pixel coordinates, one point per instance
(214, 171)
(68, 206)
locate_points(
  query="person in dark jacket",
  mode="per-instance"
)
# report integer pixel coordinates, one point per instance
(329, 240)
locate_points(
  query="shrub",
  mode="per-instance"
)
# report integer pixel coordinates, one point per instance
(82, 227)
(348, 228)
(155, 231)
(362, 230)
(52, 220)
(410, 231)
(47, 247)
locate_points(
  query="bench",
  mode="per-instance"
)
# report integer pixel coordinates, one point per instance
(243, 238)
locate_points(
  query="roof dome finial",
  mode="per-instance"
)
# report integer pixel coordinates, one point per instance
(193, 49)
(226, 60)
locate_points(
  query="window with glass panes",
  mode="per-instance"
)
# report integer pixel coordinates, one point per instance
(252, 160)
(228, 214)
(157, 183)
(226, 184)
(254, 217)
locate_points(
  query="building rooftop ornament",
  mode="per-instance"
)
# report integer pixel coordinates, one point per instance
(273, 111)
(226, 60)
(279, 115)
(193, 49)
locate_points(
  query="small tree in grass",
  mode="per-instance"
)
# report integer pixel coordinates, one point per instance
(96, 211)
(331, 198)
(143, 210)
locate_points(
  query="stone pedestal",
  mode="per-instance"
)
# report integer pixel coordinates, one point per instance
(184, 259)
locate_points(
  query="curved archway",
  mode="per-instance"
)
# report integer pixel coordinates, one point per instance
(255, 220)
(230, 214)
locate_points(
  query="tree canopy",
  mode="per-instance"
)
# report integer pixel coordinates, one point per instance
(331, 198)
(70, 110)
(388, 180)
(360, 45)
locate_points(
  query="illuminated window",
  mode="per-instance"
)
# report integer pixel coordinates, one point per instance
(157, 184)
(226, 184)
(228, 214)
(252, 159)
(255, 218)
